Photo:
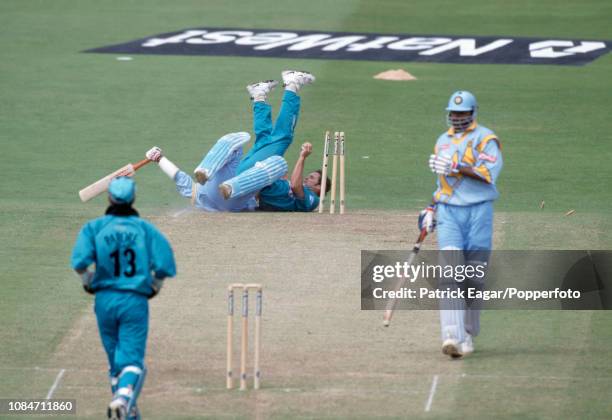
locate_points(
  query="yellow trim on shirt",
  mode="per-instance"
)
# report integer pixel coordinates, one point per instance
(483, 172)
(465, 134)
(445, 187)
(483, 142)
(468, 156)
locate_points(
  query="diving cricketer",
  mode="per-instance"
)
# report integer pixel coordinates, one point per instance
(132, 259)
(227, 181)
(468, 160)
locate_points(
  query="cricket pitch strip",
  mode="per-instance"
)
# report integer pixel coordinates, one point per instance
(321, 355)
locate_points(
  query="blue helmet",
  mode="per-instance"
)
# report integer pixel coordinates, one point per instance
(462, 101)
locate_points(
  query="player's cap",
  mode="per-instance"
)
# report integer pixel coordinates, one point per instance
(122, 190)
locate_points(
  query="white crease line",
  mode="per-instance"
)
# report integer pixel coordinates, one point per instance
(44, 369)
(160, 390)
(432, 392)
(353, 374)
(58, 378)
(181, 212)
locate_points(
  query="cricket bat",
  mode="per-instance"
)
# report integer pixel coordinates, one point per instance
(101, 185)
(392, 302)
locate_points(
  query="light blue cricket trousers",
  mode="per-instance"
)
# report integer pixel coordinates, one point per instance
(464, 237)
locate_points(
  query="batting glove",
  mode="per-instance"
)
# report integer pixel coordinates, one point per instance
(442, 165)
(154, 154)
(427, 219)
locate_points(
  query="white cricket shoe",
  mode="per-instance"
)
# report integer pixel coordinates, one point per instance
(259, 91)
(117, 409)
(297, 79)
(226, 191)
(451, 348)
(201, 175)
(467, 347)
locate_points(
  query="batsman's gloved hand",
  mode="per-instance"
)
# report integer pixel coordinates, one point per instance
(88, 289)
(442, 165)
(154, 154)
(427, 219)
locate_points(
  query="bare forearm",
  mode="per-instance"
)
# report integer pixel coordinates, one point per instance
(469, 171)
(297, 177)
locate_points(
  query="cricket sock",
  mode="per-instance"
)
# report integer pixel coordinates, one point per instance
(128, 379)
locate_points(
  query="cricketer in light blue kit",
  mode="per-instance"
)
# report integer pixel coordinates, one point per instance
(227, 181)
(132, 259)
(468, 160)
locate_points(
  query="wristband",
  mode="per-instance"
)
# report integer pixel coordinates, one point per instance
(168, 167)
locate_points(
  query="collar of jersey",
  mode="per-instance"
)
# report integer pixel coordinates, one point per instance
(451, 133)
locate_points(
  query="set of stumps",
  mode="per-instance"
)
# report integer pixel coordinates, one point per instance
(338, 152)
(245, 288)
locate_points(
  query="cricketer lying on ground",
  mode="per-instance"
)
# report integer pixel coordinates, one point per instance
(227, 181)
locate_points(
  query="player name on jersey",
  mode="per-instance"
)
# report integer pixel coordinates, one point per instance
(365, 46)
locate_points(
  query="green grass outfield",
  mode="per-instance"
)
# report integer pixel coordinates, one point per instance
(67, 118)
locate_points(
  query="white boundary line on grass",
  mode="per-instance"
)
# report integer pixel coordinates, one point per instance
(432, 392)
(58, 378)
